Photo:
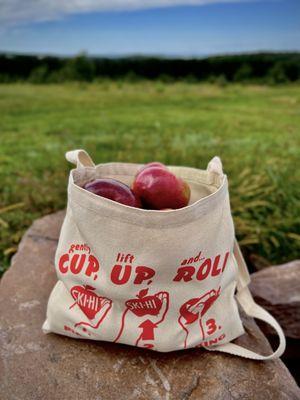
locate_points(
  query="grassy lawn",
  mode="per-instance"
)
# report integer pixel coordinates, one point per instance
(255, 130)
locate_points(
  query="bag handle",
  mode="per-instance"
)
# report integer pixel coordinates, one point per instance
(215, 166)
(251, 308)
(215, 171)
(80, 158)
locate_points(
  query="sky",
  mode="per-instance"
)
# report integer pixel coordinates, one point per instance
(184, 28)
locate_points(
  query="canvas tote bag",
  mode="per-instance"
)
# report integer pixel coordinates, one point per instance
(158, 280)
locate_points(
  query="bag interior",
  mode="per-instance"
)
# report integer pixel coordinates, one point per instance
(201, 182)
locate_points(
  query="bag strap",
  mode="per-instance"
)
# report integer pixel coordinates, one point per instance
(215, 166)
(246, 300)
(80, 158)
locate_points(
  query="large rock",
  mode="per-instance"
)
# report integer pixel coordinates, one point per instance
(38, 366)
(277, 289)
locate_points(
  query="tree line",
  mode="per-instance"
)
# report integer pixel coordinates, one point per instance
(270, 68)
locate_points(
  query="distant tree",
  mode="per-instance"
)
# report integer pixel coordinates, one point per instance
(244, 73)
(79, 68)
(221, 80)
(277, 74)
(5, 78)
(269, 67)
(39, 74)
(165, 78)
(292, 70)
(132, 77)
(56, 76)
(190, 79)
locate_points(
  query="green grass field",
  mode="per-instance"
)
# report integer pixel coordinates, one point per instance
(255, 130)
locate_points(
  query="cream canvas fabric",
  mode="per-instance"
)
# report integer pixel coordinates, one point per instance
(159, 280)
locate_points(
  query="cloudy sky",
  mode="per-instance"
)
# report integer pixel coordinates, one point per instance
(167, 27)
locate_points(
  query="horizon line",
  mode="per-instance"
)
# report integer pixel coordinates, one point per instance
(148, 55)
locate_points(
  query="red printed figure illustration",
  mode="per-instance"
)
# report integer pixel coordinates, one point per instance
(145, 312)
(93, 306)
(191, 317)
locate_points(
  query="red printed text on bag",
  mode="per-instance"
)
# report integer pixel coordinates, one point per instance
(78, 259)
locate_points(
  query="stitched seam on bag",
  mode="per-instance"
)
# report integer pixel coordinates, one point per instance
(183, 176)
(151, 225)
(198, 181)
(190, 180)
(192, 215)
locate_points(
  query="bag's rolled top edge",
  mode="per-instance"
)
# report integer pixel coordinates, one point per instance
(79, 197)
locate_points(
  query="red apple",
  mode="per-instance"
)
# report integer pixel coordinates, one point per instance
(158, 188)
(114, 190)
(87, 300)
(144, 305)
(152, 164)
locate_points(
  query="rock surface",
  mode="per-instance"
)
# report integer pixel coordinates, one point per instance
(37, 366)
(277, 289)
